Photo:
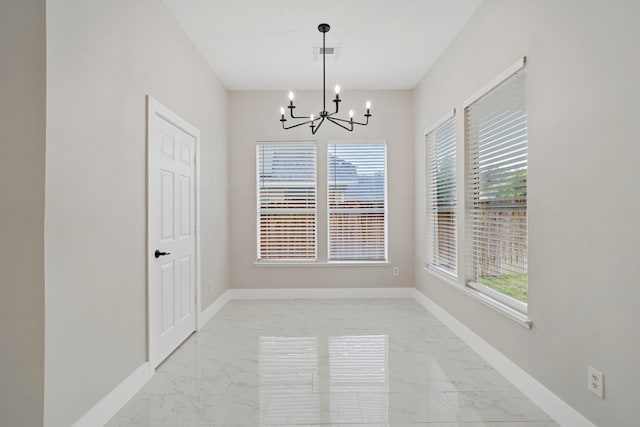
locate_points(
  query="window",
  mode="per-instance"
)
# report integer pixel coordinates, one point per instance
(287, 210)
(496, 132)
(357, 201)
(441, 197)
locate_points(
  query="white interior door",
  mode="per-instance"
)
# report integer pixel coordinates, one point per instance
(172, 241)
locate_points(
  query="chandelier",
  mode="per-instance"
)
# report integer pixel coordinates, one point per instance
(315, 122)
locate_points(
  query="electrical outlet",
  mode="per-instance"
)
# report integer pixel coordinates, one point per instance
(595, 382)
(396, 271)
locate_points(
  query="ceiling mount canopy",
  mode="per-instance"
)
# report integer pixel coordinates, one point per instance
(315, 122)
(324, 28)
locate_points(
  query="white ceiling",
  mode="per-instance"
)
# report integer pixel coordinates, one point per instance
(267, 44)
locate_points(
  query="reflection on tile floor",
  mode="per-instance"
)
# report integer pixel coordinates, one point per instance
(364, 363)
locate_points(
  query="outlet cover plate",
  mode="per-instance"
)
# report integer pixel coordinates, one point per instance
(595, 382)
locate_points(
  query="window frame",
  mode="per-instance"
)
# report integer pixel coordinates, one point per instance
(430, 228)
(292, 261)
(510, 302)
(383, 142)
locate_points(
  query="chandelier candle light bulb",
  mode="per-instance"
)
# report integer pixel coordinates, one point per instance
(324, 114)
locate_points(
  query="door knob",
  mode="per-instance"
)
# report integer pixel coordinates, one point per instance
(158, 253)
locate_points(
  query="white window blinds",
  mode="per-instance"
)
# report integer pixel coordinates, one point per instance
(356, 176)
(441, 197)
(286, 174)
(496, 129)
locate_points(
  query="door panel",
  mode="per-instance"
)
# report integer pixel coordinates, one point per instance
(185, 289)
(172, 276)
(168, 297)
(185, 206)
(166, 213)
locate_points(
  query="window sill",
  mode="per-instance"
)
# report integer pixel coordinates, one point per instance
(442, 274)
(321, 264)
(502, 308)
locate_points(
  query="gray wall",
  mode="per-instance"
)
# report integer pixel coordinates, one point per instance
(583, 89)
(254, 117)
(22, 155)
(104, 57)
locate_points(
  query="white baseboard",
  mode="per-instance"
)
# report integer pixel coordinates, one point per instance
(102, 412)
(321, 293)
(207, 314)
(555, 407)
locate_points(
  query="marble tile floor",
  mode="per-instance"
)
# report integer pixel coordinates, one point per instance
(312, 363)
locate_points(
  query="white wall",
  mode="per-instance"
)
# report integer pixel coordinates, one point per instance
(583, 89)
(104, 57)
(254, 116)
(22, 155)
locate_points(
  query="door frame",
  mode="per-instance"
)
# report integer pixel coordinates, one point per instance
(155, 108)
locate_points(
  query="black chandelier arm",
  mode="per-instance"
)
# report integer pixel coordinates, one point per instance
(353, 121)
(341, 120)
(314, 129)
(291, 107)
(297, 124)
(361, 124)
(336, 122)
(365, 123)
